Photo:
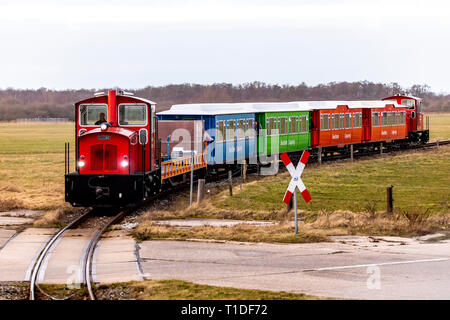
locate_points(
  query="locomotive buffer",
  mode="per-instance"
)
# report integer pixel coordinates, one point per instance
(296, 182)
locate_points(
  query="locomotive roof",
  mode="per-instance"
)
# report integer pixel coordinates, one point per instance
(102, 94)
(255, 107)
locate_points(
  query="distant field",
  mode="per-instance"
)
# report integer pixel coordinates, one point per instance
(439, 126)
(32, 164)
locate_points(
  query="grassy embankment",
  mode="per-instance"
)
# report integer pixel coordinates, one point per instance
(173, 290)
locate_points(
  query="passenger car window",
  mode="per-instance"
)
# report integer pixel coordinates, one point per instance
(240, 129)
(132, 115)
(389, 119)
(325, 122)
(394, 118)
(250, 132)
(303, 124)
(375, 119)
(271, 126)
(230, 130)
(401, 117)
(347, 121)
(219, 131)
(384, 118)
(92, 114)
(335, 121)
(357, 120)
(293, 125)
(282, 126)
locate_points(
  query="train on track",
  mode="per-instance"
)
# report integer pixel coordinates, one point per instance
(126, 152)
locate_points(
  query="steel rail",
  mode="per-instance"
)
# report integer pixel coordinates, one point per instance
(93, 244)
(45, 250)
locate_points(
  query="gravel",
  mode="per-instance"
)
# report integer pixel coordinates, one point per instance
(14, 290)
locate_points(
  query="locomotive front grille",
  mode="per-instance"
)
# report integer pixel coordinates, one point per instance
(104, 157)
(110, 157)
(97, 157)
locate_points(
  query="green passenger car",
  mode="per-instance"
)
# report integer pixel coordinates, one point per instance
(283, 131)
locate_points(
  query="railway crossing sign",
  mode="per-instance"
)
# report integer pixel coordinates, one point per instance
(296, 182)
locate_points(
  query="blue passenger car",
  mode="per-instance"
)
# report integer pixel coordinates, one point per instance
(230, 129)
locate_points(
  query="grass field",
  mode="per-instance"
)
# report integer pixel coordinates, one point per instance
(420, 179)
(32, 164)
(439, 126)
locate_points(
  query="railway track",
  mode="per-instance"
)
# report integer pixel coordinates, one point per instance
(44, 252)
(336, 157)
(87, 258)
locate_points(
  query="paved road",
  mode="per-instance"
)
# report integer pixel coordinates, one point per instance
(350, 267)
(355, 267)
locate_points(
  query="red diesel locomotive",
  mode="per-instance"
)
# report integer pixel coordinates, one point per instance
(117, 159)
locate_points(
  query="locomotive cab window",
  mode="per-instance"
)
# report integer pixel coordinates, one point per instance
(409, 103)
(132, 114)
(93, 114)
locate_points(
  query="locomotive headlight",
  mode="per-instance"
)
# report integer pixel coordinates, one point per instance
(104, 126)
(81, 163)
(124, 162)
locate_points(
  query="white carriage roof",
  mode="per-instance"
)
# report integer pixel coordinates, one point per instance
(255, 107)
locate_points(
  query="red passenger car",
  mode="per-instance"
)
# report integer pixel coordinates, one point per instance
(338, 126)
(385, 124)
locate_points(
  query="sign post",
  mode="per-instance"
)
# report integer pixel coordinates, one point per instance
(296, 182)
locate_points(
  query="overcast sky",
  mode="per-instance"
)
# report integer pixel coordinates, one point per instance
(132, 44)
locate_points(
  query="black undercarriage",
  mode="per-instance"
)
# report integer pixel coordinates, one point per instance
(110, 190)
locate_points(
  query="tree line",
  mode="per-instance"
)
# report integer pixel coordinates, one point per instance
(29, 103)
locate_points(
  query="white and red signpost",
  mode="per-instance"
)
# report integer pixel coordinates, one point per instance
(296, 182)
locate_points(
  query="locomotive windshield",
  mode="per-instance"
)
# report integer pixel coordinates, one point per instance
(132, 114)
(93, 114)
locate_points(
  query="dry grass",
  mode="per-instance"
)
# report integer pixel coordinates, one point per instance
(57, 218)
(313, 227)
(282, 233)
(171, 290)
(401, 223)
(8, 204)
